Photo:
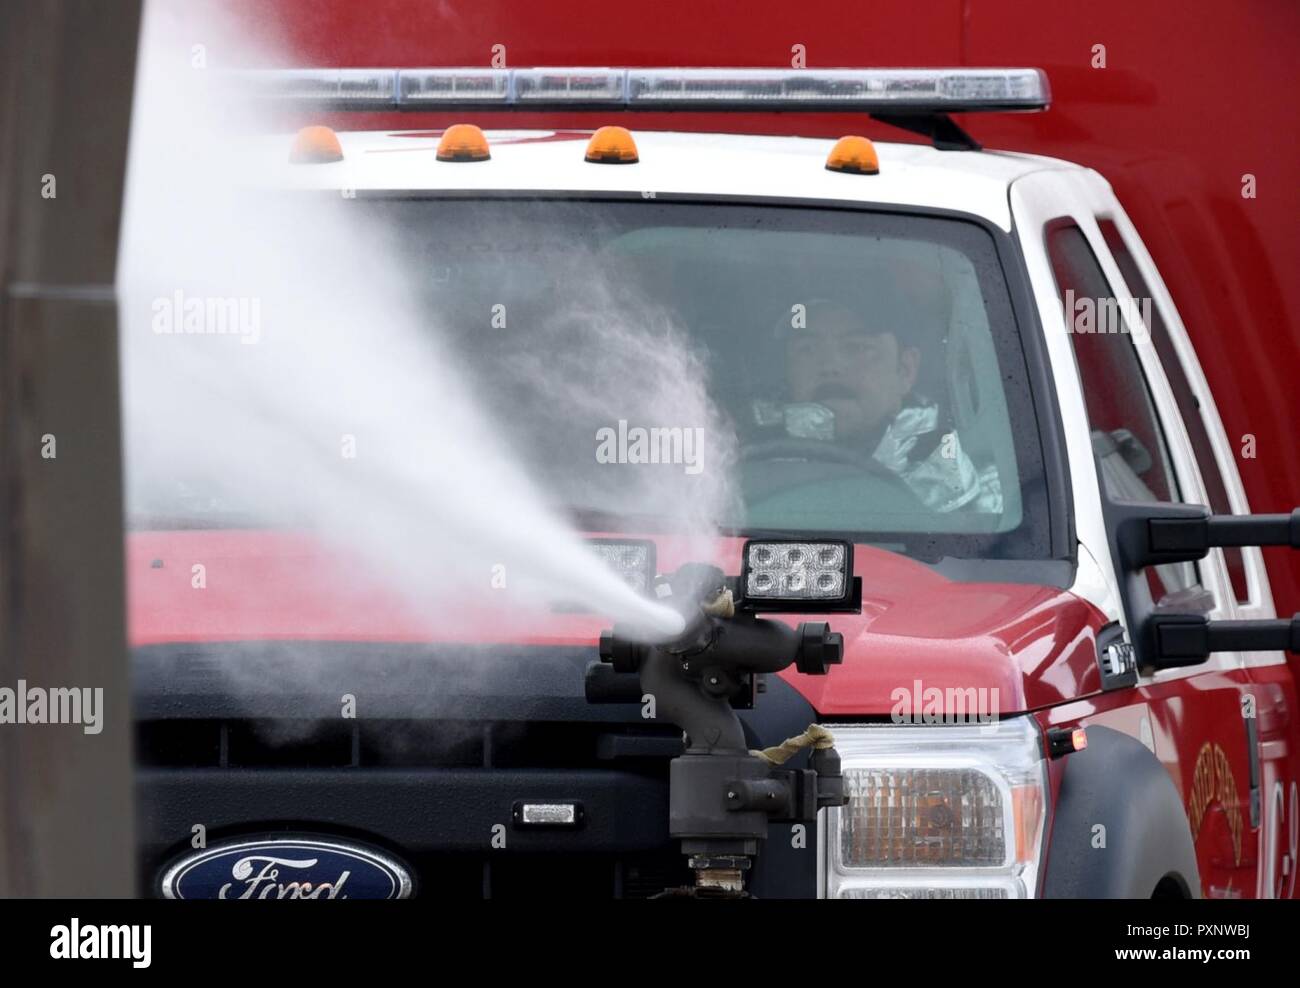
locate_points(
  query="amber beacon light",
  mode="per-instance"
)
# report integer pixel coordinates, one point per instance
(315, 146)
(855, 155)
(463, 142)
(612, 146)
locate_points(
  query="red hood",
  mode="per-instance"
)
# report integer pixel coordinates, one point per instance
(918, 630)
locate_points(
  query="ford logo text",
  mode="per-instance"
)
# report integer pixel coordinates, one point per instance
(287, 868)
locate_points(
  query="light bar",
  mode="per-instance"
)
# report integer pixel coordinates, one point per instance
(880, 91)
(376, 88)
(785, 572)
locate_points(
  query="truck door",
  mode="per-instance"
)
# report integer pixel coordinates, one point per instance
(1275, 802)
(1137, 448)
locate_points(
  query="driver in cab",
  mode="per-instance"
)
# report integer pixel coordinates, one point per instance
(852, 382)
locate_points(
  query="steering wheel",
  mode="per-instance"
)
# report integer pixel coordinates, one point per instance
(818, 450)
(814, 449)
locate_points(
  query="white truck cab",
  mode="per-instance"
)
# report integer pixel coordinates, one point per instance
(1021, 195)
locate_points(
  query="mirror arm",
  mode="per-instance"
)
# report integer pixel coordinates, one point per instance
(1188, 639)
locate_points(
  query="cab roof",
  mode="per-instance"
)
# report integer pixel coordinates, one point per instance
(974, 182)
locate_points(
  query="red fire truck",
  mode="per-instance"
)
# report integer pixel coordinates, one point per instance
(1011, 652)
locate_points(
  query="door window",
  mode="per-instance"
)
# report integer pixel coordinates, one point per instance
(1126, 435)
(1188, 405)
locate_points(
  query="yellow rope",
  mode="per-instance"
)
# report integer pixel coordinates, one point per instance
(815, 736)
(723, 606)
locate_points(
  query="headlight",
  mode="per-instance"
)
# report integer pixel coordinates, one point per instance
(936, 812)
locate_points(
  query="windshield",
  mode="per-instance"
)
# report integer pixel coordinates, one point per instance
(863, 369)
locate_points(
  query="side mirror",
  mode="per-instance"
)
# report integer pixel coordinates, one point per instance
(1181, 533)
(1150, 534)
(1188, 639)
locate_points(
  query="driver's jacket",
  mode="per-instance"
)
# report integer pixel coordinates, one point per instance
(934, 467)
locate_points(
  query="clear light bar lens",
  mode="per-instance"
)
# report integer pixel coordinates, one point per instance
(876, 88)
(454, 86)
(633, 561)
(869, 90)
(576, 85)
(796, 570)
(320, 85)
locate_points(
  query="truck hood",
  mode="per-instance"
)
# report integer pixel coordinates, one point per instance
(920, 645)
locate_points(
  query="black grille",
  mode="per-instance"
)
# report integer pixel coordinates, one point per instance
(535, 877)
(250, 740)
(267, 743)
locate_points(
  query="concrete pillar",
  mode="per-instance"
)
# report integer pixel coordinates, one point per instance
(67, 71)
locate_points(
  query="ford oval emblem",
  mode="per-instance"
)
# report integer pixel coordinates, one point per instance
(287, 868)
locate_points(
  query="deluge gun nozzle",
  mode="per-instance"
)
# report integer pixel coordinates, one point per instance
(722, 795)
